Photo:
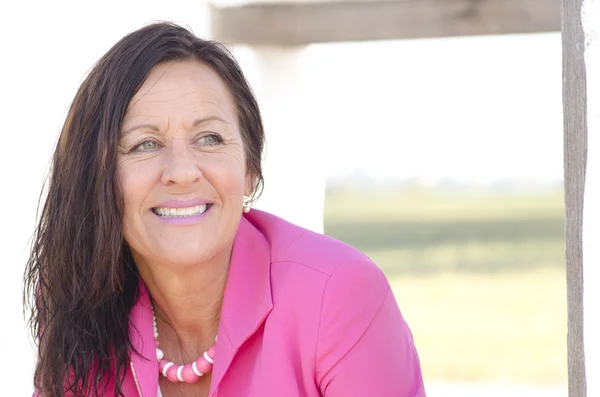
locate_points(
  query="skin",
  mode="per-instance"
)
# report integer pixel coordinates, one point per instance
(180, 140)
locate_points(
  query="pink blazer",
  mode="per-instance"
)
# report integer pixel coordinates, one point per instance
(303, 315)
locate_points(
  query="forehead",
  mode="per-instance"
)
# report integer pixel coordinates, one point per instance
(182, 87)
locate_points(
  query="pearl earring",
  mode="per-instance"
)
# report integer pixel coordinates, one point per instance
(247, 206)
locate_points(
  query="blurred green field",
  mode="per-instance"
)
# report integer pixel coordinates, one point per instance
(479, 277)
(424, 232)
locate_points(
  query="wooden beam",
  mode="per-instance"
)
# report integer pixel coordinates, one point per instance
(284, 23)
(575, 151)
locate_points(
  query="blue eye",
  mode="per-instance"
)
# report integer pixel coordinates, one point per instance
(146, 146)
(210, 140)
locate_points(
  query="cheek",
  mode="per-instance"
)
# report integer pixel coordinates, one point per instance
(134, 182)
(126, 181)
(227, 174)
(232, 183)
(128, 201)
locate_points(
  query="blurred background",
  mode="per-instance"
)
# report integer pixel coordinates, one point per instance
(440, 157)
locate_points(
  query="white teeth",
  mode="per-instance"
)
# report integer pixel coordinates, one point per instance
(181, 212)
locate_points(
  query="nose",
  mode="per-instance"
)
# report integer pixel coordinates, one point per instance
(181, 166)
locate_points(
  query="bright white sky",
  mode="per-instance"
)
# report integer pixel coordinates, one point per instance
(469, 109)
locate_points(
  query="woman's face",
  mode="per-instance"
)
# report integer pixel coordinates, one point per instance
(181, 167)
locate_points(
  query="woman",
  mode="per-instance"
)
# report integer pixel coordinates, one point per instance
(151, 275)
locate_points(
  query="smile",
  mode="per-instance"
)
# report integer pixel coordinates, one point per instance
(181, 212)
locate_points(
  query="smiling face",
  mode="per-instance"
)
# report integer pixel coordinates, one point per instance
(181, 167)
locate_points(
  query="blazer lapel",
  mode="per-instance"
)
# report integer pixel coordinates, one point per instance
(144, 366)
(247, 300)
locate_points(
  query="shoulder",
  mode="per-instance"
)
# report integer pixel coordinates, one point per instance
(327, 274)
(293, 244)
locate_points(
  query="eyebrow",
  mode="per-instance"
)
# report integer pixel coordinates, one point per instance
(196, 123)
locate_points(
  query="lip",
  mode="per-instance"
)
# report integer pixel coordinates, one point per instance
(182, 203)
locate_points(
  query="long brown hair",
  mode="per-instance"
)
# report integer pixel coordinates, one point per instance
(80, 280)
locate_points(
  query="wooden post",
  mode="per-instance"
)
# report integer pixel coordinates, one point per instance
(590, 21)
(301, 22)
(575, 151)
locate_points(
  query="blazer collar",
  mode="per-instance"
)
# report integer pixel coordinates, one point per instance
(248, 299)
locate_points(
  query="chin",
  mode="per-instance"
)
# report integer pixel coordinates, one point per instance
(187, 259)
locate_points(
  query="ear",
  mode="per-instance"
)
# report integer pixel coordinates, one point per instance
(250, 184)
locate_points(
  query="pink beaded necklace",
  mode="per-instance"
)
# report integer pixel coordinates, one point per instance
(188, 373)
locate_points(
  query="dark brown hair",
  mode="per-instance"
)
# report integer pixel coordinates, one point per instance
(80, 280)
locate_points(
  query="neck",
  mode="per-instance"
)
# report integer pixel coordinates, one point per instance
(187, 302)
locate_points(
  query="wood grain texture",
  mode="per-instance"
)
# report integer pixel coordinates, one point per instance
(575, 152)
(282, 23)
